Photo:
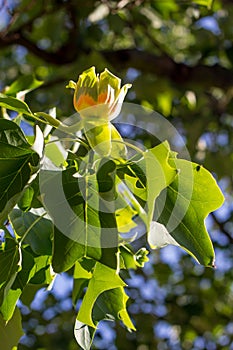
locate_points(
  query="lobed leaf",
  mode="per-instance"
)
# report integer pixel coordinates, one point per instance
(190, 198)
(18, 162)
(104, 278)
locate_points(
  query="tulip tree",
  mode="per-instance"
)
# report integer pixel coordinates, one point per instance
(77, 200)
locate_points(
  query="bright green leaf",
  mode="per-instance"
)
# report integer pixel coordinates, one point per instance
(124, 219)
(23, 85)
(104, 278)
(207, 3)
(111, 304)
(190, 198)
(82, 274)
(14, 104)
(159, 174)
(42, 272)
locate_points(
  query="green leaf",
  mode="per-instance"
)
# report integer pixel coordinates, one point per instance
(104, 278)
(55, 154)
(147, 178)
(8, 306)
(38, 230)
(11, 134)
(66, 252)
(82, 274)
(42, 273)
(23, 84)
(11, 332)
(190, 198)
(127, 258)
(207, 3)
(23, 276)
(83, 237)
(18, 162)
(82, 230)
(26, 199)
(111, 305)
(35, 270)
(159, 174)
(10, 262)
(14, 104)
(31, 196)
(124, 219)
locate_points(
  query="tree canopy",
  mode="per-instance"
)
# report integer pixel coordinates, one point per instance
(178, 56)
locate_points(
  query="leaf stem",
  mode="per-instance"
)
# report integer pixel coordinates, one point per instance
(77, 139)
(137, 149)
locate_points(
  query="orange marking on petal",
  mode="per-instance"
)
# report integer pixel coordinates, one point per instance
(102, 98)
(84, 101)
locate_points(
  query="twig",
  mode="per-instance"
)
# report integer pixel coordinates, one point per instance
(222, 228)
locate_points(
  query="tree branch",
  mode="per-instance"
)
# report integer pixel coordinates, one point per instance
(164, 66)
(222, 228)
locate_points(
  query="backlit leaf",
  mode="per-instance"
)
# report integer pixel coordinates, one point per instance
(14, 104)
(104, 278)
(190, 198)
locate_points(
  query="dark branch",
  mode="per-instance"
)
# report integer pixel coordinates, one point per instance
(222, 228)
(164, 66)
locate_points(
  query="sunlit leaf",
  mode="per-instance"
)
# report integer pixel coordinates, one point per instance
(14, 104)
(207, 3)
(190, 198)
(159, 173)
(111, 304)
(23, 85)
(83, 272)
(104, 278)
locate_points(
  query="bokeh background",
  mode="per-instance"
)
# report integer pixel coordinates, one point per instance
(179, 57)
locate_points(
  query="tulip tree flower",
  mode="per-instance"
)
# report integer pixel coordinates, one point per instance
(98, 100)
(99, 96)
